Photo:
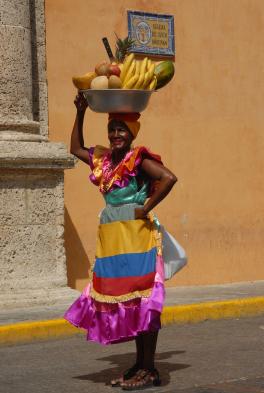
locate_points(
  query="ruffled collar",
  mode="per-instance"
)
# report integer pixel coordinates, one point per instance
(107, 177)
(118, 174)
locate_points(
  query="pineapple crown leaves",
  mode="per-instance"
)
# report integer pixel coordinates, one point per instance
(123, 47)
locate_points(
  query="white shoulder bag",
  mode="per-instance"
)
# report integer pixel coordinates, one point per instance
(173, 254)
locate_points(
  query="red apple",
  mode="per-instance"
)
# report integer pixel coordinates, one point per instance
(114, 69)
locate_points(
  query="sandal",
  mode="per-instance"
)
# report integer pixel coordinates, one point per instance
(128, 374)
(142, 380)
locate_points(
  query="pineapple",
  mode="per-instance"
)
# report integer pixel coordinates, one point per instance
(122, 48)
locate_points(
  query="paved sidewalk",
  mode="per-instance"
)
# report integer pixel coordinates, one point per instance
(183, 305)
(209, 293)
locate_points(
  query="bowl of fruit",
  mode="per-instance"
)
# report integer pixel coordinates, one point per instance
(117, 100)
(123, 85)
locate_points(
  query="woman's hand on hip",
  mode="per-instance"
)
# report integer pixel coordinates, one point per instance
(140, 213)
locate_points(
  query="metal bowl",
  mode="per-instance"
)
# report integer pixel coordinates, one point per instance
(117, 100)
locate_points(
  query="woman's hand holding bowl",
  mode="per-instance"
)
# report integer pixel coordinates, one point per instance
(80, 103)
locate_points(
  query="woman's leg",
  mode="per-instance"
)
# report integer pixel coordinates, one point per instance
(149, 348)
(147, 376)
(130, 373)
(140, 351)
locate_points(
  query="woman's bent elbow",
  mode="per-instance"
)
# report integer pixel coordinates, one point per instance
(74, 151)
(172, 179)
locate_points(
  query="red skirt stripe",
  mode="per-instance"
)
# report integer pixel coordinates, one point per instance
(122, 285)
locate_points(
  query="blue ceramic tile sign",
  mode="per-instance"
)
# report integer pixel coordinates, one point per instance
(153, 33)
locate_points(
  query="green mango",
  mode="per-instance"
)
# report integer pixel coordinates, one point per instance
(164, 72)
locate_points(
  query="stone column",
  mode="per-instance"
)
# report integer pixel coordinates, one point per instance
(33, 265)
(16, 99)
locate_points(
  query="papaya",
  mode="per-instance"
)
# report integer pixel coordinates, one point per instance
(164, 72)
(84, 82)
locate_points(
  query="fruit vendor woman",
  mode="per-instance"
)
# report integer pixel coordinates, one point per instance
(125, 296)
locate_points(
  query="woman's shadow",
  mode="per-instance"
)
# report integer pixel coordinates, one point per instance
(124, 361)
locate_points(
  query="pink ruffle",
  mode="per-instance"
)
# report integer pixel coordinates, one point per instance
(115, 323)
(122, 175)
(126, 172)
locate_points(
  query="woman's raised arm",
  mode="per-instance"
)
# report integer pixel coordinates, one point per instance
(77, 143)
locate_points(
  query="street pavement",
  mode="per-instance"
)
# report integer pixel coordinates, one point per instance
(223, 356)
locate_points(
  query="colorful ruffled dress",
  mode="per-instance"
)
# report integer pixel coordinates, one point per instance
(126, 293)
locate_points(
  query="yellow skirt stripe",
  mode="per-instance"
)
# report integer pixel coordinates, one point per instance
(123, 237)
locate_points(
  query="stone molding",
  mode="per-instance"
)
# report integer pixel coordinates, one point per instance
(48, 155)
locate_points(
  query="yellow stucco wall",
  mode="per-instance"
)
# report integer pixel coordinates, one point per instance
(207, 124)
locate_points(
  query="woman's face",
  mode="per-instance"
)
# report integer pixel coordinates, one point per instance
(119, 136)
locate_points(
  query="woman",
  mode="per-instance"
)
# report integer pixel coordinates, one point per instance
(125, 298)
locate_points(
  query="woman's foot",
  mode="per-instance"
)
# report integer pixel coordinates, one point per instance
(143, 378)
(128, 374)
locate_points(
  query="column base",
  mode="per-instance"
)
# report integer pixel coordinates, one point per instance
(33, 261)
(36, 305)
(42, 297)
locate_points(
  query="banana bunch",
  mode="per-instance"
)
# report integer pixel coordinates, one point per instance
(138, 74)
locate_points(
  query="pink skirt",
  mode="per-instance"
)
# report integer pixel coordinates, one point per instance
(110, 323)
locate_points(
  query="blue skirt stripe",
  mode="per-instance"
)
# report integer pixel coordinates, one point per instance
(126, 265)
